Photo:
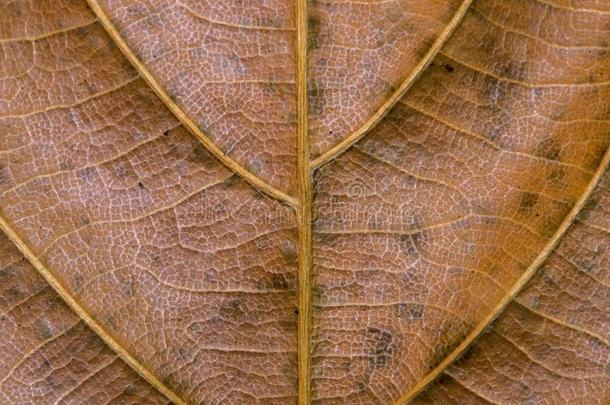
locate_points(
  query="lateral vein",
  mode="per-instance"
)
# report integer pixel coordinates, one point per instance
(85, 316)
(183, 117)
(372, 122)
(515, 289)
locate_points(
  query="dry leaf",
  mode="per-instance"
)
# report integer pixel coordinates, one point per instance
(341, 201)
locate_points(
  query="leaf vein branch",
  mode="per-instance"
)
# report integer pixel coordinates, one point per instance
(183, 117)
(514, 290)
(84, 314)
(376, 118)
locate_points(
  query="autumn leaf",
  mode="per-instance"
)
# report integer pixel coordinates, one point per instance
(272, 201)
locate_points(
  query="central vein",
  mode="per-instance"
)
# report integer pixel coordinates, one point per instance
(304, 208)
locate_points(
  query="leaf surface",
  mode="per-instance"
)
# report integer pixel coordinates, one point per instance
(327, 201)
(49, 355)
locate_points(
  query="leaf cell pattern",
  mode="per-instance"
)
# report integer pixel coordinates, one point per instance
(326, 202)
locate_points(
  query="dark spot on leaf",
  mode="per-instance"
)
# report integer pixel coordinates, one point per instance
(528, 201)
(549, 149)
(313, 25)
(129, 390)
(12, 271)
(14, 293)
(382, 346)
(409, 312)
(44, 328)
(279, 282)
(589, 207)
(448, 68)
(198, 154)
(514, 70)
(557, 177)
(52, 382)
(289, 253)
(232, 309)
(230, 181)
(288, 325)
(317, 100)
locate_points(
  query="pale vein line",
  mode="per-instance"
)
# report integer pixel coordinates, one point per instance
(578, 269)
(416, 176)
(519, 82)
(232, 25)
(514, 290)
(562, 323)
(393, 99)
(111, 159)
(29, 354)
(487, 141)
(84, 314)
(46, 34)
(575, 9)
(181, 115)
(531, 357)
(136, 218)
(593, 226)
(405, 232)
(26, 299)
(76, 103)
(478, 395)
(534, 38)
(83, 381)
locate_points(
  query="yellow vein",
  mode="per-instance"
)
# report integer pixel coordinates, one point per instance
(181, 115)
(515, 289)
(304, 212)
(393, 99)
(46, 35)
(85, 316)
(35, 349)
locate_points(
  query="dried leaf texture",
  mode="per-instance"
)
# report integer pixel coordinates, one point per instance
(187, 267)
(359, 55)
(230, 66)
(552, 344)
(424, 226)
(311, 201)
(48, 354)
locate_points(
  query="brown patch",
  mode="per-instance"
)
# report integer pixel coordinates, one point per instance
(130, 390)
(289, 253)
(528, 201)
(549, 149)
(447, 67)
(198, 154)
(44, 328)
(589, 207)
(232, 308)
(279, 282)
(409, 312)
(317, 101)
(231, 180)
(313, 25)
(557, 177)
(382, 346)
(4, 177)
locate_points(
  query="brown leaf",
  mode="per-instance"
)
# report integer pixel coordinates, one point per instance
(325, 201)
